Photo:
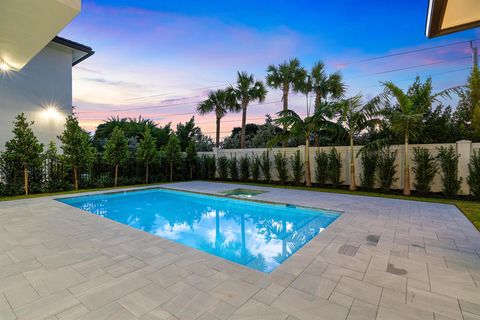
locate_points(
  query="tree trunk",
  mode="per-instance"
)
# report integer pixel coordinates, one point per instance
(146, 174)
(353, 184)
(116, 174)
(75, 177)
(244, 124)
(286, 89)
(318, 100)
(171, 172)
(308, 175)
(406, 170)
(25, 179)
(217, 141)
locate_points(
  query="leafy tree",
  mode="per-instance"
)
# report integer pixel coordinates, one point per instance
(265, 166)
(474, 174)
(265, 133)
(321, 172)
(281, 166)
(77, 149)
(286, 76)
(467, 114)
(355, 117)
(425, 169)
(172, 153)
(147, 150)
(186, 132)
(191, 157)
(334, 167)
(386, 168)
(406, 115)
(116, 150)
(245, 91)
(304, 129)
(369, 164)
(23, 149)
(325, 87)
(220, 102)
(244, 168)
(55, 173)
(297, 167)
(448, 159)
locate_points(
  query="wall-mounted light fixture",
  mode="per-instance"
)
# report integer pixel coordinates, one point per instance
(51, 111)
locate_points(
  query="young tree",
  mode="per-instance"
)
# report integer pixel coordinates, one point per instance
(147, 150)
(23, 149)
(77, 149)
(116, 150)
(354, 117)
(221, 102)
(191, 157)
(247, 90)
(172, 153)
(286, 76)
(406, 115)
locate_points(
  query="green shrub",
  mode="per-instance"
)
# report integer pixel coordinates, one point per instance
(334, 167)
(211, 166)
(202, 167)
(255, 167)
(281, 166)
(265, 166)
(425, 168)
(474, 174)
(386, 168)
(244, 168)
(321, 164)
(448, 160)
(222, 168)
(233, 168)
(297, 167)
(369, 166)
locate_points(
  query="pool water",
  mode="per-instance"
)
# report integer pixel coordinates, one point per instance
(257, 235)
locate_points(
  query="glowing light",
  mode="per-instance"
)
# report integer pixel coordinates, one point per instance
(51, 111)
(4, 66)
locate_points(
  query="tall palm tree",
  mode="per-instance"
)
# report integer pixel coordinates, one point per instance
(298, 127)
(354, 117)
(221, 102)
(247, 90)
(325, 87)
(406, 115)
(287, 75)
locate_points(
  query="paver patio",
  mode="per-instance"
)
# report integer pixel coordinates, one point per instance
(382, 259)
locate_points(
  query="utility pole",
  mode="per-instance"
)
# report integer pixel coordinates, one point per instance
(474, 55)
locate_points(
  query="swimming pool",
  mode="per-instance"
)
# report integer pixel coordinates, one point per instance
(257, 235)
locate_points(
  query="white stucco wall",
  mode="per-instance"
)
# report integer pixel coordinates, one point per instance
(45, 80)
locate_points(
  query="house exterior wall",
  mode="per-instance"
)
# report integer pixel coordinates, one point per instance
(463, 148)
(45, 81)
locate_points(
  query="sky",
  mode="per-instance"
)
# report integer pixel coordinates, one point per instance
(158, 59)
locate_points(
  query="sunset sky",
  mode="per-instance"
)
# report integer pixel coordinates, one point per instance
(158, 59)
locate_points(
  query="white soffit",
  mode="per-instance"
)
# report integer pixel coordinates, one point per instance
(27, 26)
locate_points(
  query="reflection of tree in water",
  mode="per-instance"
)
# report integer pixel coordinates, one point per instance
(233, 250)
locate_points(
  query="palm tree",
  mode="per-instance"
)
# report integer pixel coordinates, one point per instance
(286, 76)
(354, 117)
(298, 127)
(221, 102)
(325, 87)
(406, 116)
(247, 90)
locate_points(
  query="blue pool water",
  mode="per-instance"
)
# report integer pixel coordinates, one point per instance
(257, 235)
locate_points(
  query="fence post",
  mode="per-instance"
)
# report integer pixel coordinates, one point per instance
(464, 150)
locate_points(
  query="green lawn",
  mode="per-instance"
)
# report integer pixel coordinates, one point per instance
(471, 209)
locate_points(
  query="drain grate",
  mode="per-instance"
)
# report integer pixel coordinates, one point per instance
(348, 250)
(372, 239)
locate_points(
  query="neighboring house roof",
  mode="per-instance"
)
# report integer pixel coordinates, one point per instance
(80, 51)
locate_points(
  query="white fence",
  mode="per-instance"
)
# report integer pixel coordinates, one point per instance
(463, 148)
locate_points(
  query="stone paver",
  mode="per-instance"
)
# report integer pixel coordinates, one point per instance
(381, 259)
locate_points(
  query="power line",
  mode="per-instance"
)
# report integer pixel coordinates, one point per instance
(406, 52)
(427, 75)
